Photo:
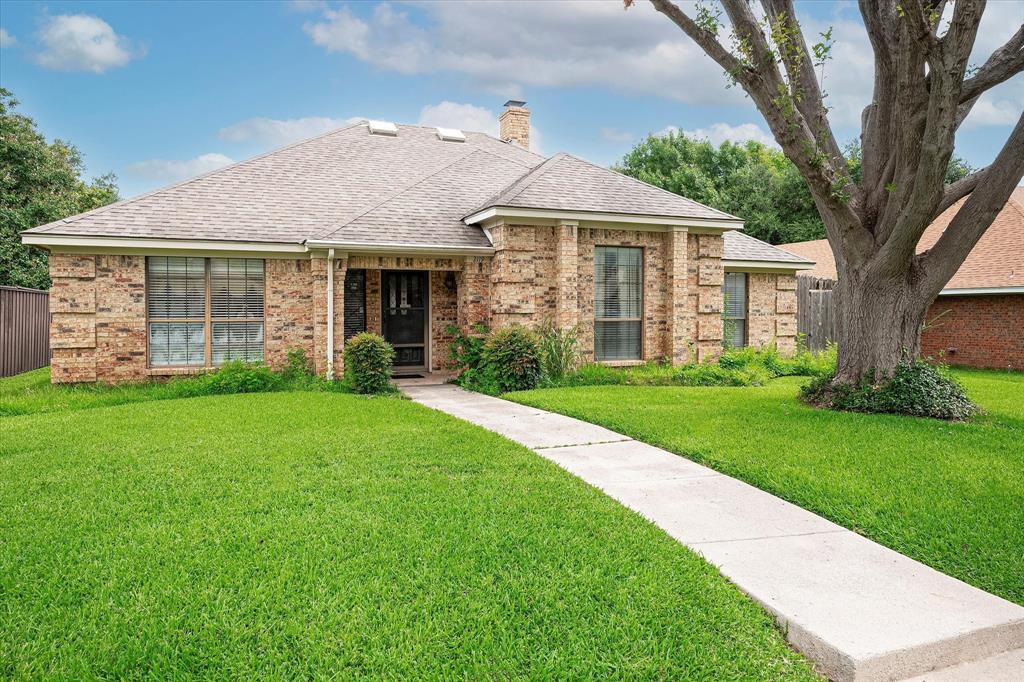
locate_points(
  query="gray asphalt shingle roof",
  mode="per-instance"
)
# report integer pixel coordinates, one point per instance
(740, 246)
(411, 189)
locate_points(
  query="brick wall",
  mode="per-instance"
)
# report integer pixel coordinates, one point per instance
(771, 310)
(289, 309)
(978, 331)
(98, 323)
(444, 311)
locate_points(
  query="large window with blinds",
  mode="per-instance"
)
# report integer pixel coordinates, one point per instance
(734, 310)
(204, 311)
(618, 303)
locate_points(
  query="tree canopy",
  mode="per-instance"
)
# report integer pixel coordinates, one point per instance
(39, 182)
(749, 180)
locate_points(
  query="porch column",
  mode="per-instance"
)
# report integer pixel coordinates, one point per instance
(681, 319)
(474, 293)
(566, 274)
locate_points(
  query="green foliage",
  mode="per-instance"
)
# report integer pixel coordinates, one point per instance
(559, 350)
(39, 182)
(916, 389)
(747, 179)
(368, 359)
(955, 170)
(511, 357)
(466, 355)
(238, 377)
(298, 368)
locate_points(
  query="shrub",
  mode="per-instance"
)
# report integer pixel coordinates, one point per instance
(298, 368)
(511, 359)
(368, 359)
(237, 377)
(917, 389)
(558, 349)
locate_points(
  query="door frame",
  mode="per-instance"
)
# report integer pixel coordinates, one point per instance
(427, 314)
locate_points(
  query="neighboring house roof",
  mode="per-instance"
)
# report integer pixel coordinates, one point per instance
(996, 262)
(351, 187)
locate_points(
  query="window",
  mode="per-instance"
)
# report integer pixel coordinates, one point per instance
(618, 302)
(734, 310)
(204, 311)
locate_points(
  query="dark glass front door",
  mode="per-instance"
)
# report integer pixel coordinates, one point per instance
(404, 316)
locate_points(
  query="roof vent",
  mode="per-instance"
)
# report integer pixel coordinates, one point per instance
(382, 128)
(451, 135)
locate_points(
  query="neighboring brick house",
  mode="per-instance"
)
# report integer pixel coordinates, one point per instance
(978, 318)
(404, 231)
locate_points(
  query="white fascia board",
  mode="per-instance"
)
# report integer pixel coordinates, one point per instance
(764, 265)
(85, 244)
(982, 291)
(655, 222)
(400, 249)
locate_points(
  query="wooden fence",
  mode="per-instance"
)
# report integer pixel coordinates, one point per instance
(24, 330)
(815, 311)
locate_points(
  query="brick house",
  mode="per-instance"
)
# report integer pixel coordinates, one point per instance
(403, 231)
(978, 318)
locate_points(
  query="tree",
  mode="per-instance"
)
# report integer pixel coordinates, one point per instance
(39, 183)
(922, 94)
(749, 180)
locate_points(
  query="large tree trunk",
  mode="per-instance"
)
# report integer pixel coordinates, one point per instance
(878, 327)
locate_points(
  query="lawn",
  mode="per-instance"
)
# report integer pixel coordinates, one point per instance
(948, 494)
(301, 535)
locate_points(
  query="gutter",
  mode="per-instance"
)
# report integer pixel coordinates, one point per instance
(400, 249)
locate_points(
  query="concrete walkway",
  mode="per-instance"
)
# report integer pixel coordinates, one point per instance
(859, 610)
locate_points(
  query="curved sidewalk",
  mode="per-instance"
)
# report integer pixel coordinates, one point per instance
(859, 610)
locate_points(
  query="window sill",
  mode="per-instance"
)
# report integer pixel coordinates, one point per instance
(177, 371)
(621, 363)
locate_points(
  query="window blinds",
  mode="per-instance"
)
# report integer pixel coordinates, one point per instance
(204, 311)
(618, 302)
(734, 309)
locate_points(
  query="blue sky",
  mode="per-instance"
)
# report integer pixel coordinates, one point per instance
(159, 91)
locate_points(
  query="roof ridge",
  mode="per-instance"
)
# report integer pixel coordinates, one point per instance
(391, 197)
(530, 177)
(182, 183)
(728, 216)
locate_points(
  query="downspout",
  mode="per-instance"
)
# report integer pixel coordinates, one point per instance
(330, 314)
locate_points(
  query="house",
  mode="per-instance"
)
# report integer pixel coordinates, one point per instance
(978, 318)
(404, 231)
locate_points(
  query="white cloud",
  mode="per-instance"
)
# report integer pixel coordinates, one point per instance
(466, 117)
(717, 133)
(557, 44)
(989, 111)
(6, 39)
(470, 118)
(80, 42)
(164, 170)
(273, 132)
(615, 135)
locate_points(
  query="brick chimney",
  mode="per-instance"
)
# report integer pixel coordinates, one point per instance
(515, 123)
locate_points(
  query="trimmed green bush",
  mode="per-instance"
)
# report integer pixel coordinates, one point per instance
(916, 389)
(511, 359)
(368, 360)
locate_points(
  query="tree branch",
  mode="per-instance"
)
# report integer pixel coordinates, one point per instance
(992, 191)
(959, 189)
(1003, 64)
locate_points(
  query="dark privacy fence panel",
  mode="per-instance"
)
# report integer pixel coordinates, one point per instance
(24, 330)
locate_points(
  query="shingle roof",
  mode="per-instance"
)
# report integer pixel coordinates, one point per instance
(740, 246)
(354, 187)
(567, 183)
(997, 260)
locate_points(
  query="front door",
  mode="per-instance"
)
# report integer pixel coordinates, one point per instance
(405, 306)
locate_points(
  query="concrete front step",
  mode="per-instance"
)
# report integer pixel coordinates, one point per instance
(1004, 667)
(859, 610)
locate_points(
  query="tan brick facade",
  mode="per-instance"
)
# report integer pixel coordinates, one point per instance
(771, 310)
(538, 271)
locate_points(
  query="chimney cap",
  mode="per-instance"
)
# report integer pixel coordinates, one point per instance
(515, 103)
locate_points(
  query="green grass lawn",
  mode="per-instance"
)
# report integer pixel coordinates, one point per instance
(948, 494)
(290, 535)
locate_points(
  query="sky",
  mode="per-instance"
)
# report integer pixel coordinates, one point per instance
(156, 92)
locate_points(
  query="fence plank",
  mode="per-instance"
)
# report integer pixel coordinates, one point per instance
(816, 316)
(24, 330)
